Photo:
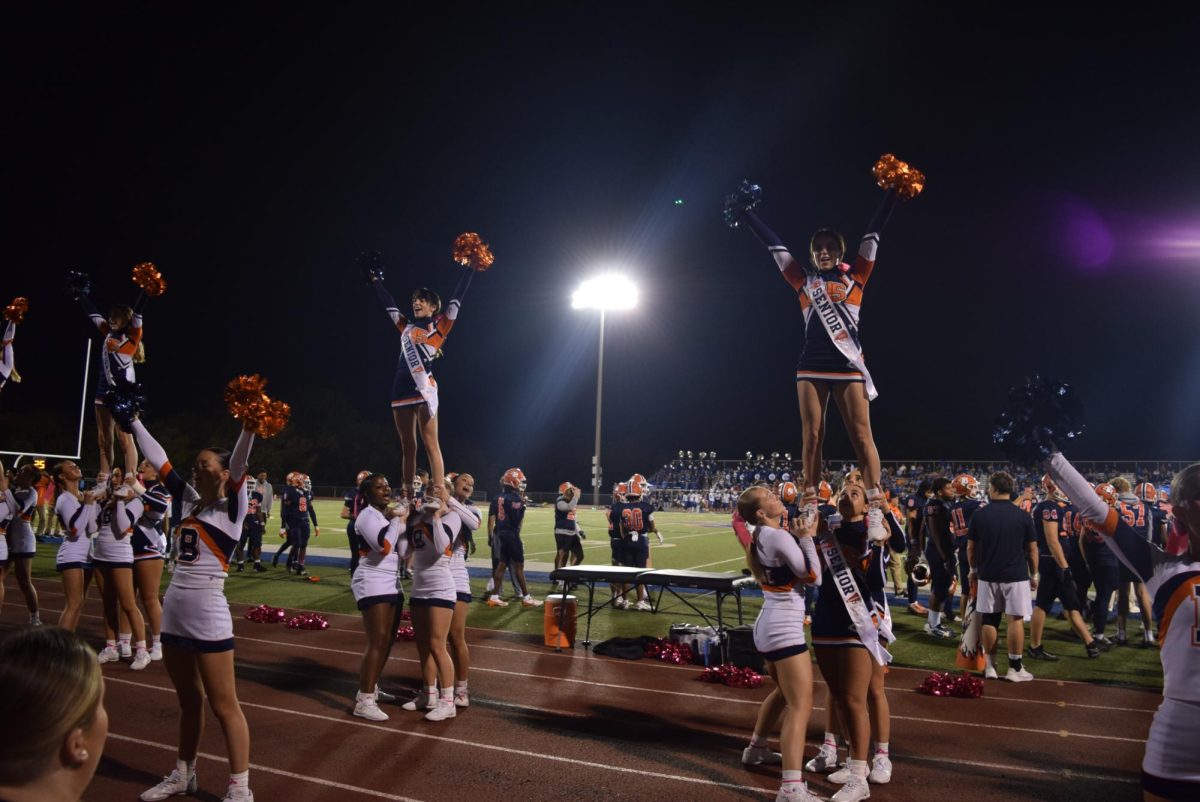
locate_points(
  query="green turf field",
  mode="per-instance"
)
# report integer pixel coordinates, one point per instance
(697, 541)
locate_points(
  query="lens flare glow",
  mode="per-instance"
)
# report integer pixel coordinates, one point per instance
(606, 291)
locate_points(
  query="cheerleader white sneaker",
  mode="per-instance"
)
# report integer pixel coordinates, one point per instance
(238, 794)
(422, 701)
(156, 652)
(366, 707)
(825, 760)
(462, 699)
(797, 793)
(876, 530)
(140, 660)
(172, 785)
(841, 776)
(445, 709)
(881, 770)
(125, 649)
(761, 756)
(855, 790)
(643, 605)
(108, 654)
(529, 601)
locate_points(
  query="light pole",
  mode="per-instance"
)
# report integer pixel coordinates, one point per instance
(603, 292)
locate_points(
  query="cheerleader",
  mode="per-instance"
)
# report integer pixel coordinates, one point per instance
(3, 546)
(414, 391)
(21, 496)
(122, 349)
(380, 527)
(78, 513)
(197, 629)
(782, 562)
(1169, 768)
(464, 519)
(831, 364)
(113, 561)
(141, 511)
(7, 364)
(433, 603)
(849, 634)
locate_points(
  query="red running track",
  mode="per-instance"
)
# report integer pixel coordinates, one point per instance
(547, 726)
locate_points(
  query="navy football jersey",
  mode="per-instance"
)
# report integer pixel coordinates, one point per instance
(1063, 514)
(509, 511)
(961, 511)
(253, 522)
(634, 517)
(1135, 514)
(939, 508)
(293, 499)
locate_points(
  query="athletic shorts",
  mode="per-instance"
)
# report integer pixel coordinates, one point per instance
(427, 602)
(940, 579)
(566, 542)
(1050, 587)
(197, 619)
(1170, 768)
(511, 549)
(1010, 598)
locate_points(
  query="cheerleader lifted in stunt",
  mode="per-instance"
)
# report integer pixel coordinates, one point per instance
(831, 364)
(414, 390)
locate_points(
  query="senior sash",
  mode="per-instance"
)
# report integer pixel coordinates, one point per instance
(866, 622)
(839, 328)
(416, 367)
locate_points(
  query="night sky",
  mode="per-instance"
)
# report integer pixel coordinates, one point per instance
(252, 153)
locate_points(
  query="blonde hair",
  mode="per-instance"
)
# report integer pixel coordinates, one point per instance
(52, 685)
(1121, 484)
(748, 505)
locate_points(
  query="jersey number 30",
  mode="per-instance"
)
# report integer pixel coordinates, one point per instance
(632, 519)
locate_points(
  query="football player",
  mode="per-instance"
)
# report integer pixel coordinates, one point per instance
(505, 517)
(968, 497)
(939, 551)
(634, 524)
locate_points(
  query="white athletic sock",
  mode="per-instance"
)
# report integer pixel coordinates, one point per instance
(110, 644)
(186, 768)
(881, 748)
(241, 780)
(830, 741)
(126, 637)
(857, 767)
(460, 686)
(431, 691)
(793, 779)
(989, 661)
(447, 695)
(934, 618)
(140, 646)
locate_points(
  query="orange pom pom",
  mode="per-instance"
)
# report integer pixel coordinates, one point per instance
(147, 277)
(896, 176)
(470, 250)
(15, 312)
(243, 394)
(258, 411)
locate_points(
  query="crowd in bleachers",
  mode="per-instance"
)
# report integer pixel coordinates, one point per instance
(698, 481)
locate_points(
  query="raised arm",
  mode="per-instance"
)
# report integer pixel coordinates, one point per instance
(89, 308)
(793, 271)
(10, 333)
(389, 304)
(158, 458)
(470, 514)
(1137, 554)
(864, 261)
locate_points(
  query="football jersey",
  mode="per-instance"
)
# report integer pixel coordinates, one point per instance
(564, 515)
(938, 509)
(508, 509)
(960, 512)
(1063, 514)
(635, 517)
(1134, 512)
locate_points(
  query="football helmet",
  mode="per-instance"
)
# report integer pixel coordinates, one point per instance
(293, 478)
(788, 492)
(564, 487)
(621, 490)
(1107, 492)
(514, 478)
(251, 483)
(638, 485)
(1147, 492)
(1052, 490)
(824, 492)
(965, 486)
(306, 482)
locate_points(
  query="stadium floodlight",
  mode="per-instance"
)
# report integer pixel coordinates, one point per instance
(604, 292)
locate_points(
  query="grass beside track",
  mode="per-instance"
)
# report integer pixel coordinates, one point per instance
(693, 541)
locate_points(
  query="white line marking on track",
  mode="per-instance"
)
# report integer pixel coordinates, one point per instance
(719, 562)
(505, 749)
(308, 778)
